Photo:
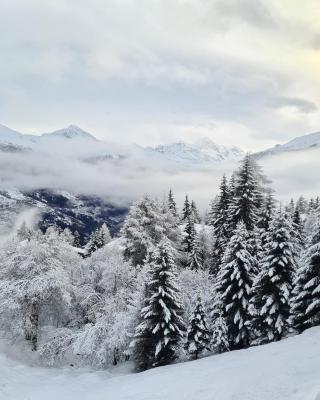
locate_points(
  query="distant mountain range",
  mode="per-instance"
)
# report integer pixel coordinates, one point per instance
(203, 152)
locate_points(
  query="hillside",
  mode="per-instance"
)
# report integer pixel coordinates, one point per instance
(278, 371)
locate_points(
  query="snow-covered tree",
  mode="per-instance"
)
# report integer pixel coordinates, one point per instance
(189, 236)
(24, 232)
(37, 279)
(306, 293)
(194, 212)
(186, 210)
(198, 336)
(270, 304)
(220, 222)
(172, 203)
(161, 328)
(233, 287)
(145, 226)
(248, 195)
(99, 238)
(219, 340)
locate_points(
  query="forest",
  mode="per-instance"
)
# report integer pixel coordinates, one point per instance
(172, 286)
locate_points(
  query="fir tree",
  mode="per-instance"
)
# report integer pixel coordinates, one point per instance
(270, 304)
(99, 238)
(219, 222)
(198, 338)
(161, 327)
(306, 292)
(194, 212)
(189, 236)
(172, 204)
(186, 211)
(233, 287)
(76, 241)
(219, 340)
(248, 195)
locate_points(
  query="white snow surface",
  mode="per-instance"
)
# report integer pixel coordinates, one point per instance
(284, 370)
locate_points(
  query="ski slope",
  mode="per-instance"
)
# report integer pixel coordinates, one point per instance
(278, 371)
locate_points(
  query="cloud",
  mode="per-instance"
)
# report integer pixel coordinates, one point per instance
(144, 62)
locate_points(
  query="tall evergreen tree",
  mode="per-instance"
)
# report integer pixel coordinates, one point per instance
(186, 211)
(219, 340)
(161, 327)
(220, 223)
(306, 292)
(233, 287)
(99, 238)
(172, 203)
(198, 338)
(194, 212)
(248, 195)
(189, 236)
(270, 304)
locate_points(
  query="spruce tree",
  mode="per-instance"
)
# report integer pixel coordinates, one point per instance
(161, 328)
(198, 338)
(248, 194)
(194, 212)
(172, 204)
(271, 291)
(189, 236)
(196, 257)
(306, 293)
(219, 222)
(186, 211)
(233, 287)
(99, 238)
(219, 340)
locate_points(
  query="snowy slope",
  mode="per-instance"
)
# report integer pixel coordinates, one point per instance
(287, 370)
(306, 142)
(203, 151)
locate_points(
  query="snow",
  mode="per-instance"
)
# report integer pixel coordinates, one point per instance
(277, 371)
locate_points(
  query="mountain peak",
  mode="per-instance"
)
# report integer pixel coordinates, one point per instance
(71, 132)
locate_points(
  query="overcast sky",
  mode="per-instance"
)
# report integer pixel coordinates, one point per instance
(243, 72)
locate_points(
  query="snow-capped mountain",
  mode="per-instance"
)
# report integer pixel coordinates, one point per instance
(72, 132)
(300, 143)
(204, 152)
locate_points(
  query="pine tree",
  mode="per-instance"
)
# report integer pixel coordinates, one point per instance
(233, 287)
(219, 222)
(145, 226)
(99, 238)
(186, 211)
(189, 236)
(219, 340)
(306, 292)
(198, 338)
(172, 204)
(194, 212)
(76, 241)
(248, 195)
(270, 304)
(161, 327)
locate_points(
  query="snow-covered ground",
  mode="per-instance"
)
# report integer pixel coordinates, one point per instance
(285, 370)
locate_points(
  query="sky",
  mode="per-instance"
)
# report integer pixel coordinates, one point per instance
(242, 72)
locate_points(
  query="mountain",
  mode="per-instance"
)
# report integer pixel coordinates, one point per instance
(300, 143)
(72, 133)
(285, 370)
(203, 152)
(62, 209)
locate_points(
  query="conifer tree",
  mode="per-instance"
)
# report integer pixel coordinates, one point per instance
(76, 241)
(186, 211)
(99, 238)
(198, 338)
(219, 222)
(172, 204)
(270, 304)
(189, 236)
(248, 195)
(233, 287)
(219, 340)
(161, 328)
(194, 212)
(306, 293)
